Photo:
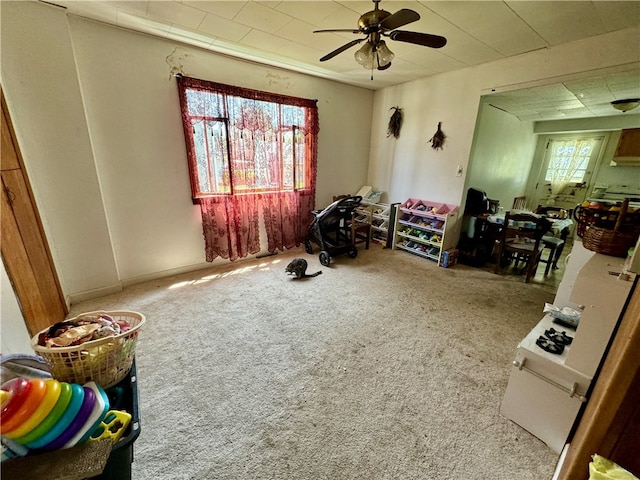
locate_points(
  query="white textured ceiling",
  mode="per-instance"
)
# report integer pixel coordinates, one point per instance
(280, 33)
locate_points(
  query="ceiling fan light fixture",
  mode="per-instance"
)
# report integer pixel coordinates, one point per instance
(364, 55)
(626, 105)
(374, 56)
(384, 54)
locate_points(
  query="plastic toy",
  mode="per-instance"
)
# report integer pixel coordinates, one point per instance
(17, 390)
(77, 397)
(28, 406)
(77, 423)
(40, 414)
(54, 415)
(52, 392)
(113, 426)
(11, 449)
(100, 409)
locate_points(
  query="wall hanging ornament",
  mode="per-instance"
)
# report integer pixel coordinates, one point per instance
(395, 122)
(437, 141)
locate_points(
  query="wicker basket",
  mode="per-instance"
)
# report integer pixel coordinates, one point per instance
(607, 241)
(106, 361)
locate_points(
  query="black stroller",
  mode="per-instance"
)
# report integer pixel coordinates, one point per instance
(331, 230)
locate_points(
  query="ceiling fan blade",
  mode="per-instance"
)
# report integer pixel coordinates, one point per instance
(341, 49)
(347, 30)
(399, 19)
(425, 39)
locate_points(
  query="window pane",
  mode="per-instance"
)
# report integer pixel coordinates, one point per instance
(569, 160)
(210, 143)
(204, 104)
(199, 135)
(246, 145)
(287, 159)
(300, 158)
(218, 157)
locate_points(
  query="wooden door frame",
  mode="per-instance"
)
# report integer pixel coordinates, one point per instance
(25, 250)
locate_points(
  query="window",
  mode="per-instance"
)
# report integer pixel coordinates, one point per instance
(249, 153)
(569, 161)
(242, 141)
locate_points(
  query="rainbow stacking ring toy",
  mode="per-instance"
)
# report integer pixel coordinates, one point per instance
(39, 414)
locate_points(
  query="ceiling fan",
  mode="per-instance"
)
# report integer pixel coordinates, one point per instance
(377, 24)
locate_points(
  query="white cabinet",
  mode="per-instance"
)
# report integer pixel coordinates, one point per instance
(543, 395)
(425, 228)
(546, 390)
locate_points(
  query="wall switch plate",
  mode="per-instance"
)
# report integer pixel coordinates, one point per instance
(459, 171)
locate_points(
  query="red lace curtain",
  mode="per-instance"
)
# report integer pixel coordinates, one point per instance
(248, 150)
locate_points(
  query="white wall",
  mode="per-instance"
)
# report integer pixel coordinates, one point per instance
(40, 83)
(96, 114)
(13, 331)
(408, 167)
(502, 154)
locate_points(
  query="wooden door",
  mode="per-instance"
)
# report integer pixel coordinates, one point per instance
(25, 251)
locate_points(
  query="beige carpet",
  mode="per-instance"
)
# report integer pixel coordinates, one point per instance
(383, 367)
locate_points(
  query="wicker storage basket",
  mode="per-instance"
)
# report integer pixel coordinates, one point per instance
(607, 241)
(106, 361)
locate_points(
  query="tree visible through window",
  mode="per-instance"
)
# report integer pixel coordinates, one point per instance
(242, 145)
(249, 152)
(568, 162)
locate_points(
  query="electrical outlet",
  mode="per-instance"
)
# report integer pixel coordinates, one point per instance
(459, 171)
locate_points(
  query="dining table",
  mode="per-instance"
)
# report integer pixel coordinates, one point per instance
(559, 227)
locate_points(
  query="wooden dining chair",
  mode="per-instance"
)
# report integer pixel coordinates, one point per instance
(521, 240)
(550, 242)
(360, 230)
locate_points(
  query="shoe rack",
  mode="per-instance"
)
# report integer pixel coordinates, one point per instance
(380, 217)
(425, 228)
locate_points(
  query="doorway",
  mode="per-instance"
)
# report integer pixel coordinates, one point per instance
(566, 170)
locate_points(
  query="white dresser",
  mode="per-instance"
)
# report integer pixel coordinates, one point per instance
(546, 390)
